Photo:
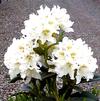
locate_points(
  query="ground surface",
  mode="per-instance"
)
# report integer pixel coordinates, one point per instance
(85, 14)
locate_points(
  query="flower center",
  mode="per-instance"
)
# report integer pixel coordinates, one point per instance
(45, 32)
(21, 48)
(73, 55)
(28, 58)
(68, 64)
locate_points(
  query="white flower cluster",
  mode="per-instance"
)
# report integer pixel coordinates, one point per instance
(20, 58)
(70, 55)
(67, 56)
(47, 22)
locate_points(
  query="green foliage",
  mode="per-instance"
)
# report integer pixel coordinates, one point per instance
(41, 49)
(18, 77)
(83, 96)
(61, 35)
(96, 78)
(46, 88)
(20, 97)
(96, 91)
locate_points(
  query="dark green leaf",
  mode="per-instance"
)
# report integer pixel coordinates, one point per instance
(83, 95)
(44, 69)
(48, 99)
(18, 77)
(80, 99)
(45, 98)
(39, 50)
(46, 75)
(96, 78)
(80, 89)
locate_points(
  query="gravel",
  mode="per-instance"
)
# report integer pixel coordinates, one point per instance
(85, 14)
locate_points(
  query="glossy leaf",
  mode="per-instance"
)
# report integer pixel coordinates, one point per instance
(77, 88)
(80, 99)
(96, 78)
(85, 95)
(18, 77)
(46, 75)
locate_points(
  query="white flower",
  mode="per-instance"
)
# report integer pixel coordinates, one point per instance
(20, 58)
(86, 69)
(46, 22)
(63, 18)
(70, 55)
(32, 27)
(44, 12)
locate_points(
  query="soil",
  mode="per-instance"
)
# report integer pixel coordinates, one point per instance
(85, 14)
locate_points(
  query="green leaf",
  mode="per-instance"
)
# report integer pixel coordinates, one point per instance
(46, 75)
(96, 91)
(18, 77)
(10, 99)
(20, 97)
(49, 99)
(60, 37)
(63, 97)
(39, 50)
(83, 96)
(43, 69)
(80, 99)
(80, 89)
(42, 48)
(45, 98)
(95, 78)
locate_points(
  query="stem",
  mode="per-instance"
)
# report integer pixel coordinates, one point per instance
(56, 96)
(67, 88)
(46, 58)
(51, 45)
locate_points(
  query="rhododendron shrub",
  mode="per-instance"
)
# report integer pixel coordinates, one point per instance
(44, 58)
